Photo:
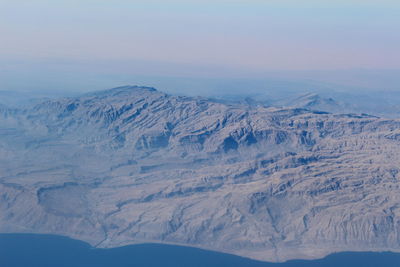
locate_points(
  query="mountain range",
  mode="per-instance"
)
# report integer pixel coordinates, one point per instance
(134, 165)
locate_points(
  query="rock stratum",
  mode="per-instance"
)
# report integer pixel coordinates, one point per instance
(134, 165)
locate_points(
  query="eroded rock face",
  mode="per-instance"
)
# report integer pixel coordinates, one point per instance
(132, 165)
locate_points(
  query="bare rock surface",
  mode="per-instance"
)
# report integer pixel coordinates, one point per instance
(133, 165)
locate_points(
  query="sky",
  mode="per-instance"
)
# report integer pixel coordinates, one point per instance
(47, 39)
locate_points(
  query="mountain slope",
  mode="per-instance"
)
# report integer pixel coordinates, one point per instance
(132, 165)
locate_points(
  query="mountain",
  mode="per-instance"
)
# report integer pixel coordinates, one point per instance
(135, 165)
(377, 103)
(314, 101)
(380, 104)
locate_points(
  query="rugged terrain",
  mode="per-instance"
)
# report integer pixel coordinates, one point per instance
(132, 165)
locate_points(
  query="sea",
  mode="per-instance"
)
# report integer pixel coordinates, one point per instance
(31, 250)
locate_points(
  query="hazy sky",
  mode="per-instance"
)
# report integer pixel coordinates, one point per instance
(249, 35)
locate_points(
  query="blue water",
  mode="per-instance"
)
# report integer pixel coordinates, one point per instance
(25, 250)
